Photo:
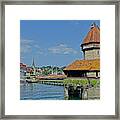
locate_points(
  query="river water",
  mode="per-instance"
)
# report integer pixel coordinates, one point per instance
(37, 91)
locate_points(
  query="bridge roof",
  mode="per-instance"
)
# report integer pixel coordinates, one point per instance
(89, 65)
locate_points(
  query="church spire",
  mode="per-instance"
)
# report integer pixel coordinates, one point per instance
(33, 63)
(33, 67)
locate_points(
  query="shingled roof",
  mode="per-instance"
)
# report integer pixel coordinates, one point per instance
(90, 65)
(93, 35)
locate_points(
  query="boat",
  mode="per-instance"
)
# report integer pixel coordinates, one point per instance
(22, 81)
(31, 81)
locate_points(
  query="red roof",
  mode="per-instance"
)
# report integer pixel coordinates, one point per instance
(23, 65)
(29, 69)
(93, 35)
(84, 65)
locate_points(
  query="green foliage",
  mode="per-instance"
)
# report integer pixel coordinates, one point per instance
(93, 82)
(74, 82)
(46, 70)
(83, 82)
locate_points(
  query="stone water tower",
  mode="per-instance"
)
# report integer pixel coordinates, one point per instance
(91, 43)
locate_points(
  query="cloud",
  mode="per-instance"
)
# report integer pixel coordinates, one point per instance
(62, 49)
(28, 46)
(22, 58)
(25, 46)
(40, 52)
(36, 46)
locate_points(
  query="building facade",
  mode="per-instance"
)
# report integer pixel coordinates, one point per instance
(23, 69)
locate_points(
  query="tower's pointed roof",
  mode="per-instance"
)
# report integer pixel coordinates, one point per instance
(93, 35)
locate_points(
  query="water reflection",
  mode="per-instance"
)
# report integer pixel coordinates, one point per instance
(36, 91)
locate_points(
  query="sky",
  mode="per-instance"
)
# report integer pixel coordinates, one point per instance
(52, 42)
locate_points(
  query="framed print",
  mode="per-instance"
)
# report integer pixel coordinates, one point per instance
(59, 59)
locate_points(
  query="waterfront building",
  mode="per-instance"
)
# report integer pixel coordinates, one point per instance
(23, 68)
(29, 71)
(89, 66)
(38, 71)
